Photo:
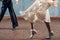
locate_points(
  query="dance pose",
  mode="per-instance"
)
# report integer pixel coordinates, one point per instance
(38, 11)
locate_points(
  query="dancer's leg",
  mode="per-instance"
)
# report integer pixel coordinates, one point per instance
(12, 15)
(33, 31)
(3, 9)
(49, 30)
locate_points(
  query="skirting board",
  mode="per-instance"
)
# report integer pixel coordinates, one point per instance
(19, 17)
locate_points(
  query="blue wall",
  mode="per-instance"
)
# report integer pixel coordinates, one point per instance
(24, 4)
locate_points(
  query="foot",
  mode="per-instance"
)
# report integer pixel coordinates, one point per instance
(50, 35)
(14, 27)
(33, 32)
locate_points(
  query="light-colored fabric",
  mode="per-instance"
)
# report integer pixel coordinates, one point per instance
(16, 0)
(38, 11)
(53, 2)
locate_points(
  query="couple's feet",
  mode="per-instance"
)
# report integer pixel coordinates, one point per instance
(33, 32)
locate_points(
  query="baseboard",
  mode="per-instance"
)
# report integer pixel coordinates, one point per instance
(19, 17)
(55, 18)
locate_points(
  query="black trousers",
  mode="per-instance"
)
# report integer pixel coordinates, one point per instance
(8, 4)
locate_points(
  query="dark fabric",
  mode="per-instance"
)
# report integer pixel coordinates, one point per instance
(8, 4)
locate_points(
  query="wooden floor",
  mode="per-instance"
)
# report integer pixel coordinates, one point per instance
(22, 32)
